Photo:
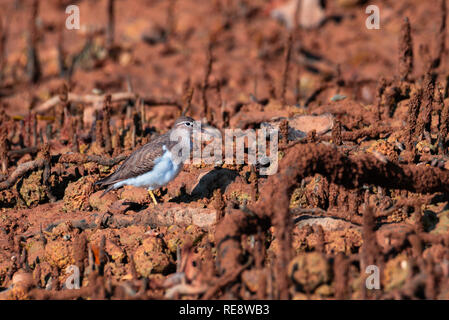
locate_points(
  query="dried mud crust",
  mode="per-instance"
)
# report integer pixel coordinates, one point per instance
(363, 168)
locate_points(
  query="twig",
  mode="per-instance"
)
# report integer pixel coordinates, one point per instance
(184, 289)
(33, 66)
(226, 279)
(21, 170)
(110, 30)
(171, 21)
(441, 36)
(3, 150)
(336, 133)
(106, 123)
(405, 52)
(21, 152)
(187, 97)
(75, 158)
(45, 154)
(3, 38)
(99, 140)
(315, 94)
(442, 134)
(382, 85)
(96, 99)
(288, 51)
(425, 116)
(205, 84)
(413, 112)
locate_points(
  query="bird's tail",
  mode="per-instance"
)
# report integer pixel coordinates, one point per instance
(101, 181)
(109, 188)
(104, 182)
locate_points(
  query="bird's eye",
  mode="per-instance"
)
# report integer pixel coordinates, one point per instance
(188, 124)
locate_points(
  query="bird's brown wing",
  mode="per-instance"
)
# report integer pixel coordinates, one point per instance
(139, 162)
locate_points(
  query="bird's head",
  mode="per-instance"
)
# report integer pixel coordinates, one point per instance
(188, 124)
(184, 123)
(185, 131)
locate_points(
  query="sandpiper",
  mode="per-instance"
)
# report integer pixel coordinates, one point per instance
(156, 163)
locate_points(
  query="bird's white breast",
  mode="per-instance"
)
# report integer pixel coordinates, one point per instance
(164, 170)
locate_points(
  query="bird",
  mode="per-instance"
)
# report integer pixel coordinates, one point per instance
(154, 164)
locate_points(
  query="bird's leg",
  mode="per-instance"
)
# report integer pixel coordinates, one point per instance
(152, 196)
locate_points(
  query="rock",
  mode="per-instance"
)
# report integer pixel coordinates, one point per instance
(22, 279)
(8, 198)
(396, 272)
(392, 235)
(241, 191)
(61, 229)
(311, 13)
(15, 293)
(59, 253)
(177, 236)
(44, 274)
(151, 257)
(77, 194)
(337, 97)
(102, 204)
(251, 279)
(111, 248)
(118, 269)
(119, 207)
(131, 236)
(309, 270)
(425, 147)
(125, 58)
(31, 190)
(430, 220)
(384, 148)
(134, 194)
(299, 126)
(321, 124)
(324, 291)
(298, 198)
(327, 223)
(442, 227)
(168, 214)
(437, 253)
(114, 251)
(346, 241)
(183, 180)
(35, 251)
